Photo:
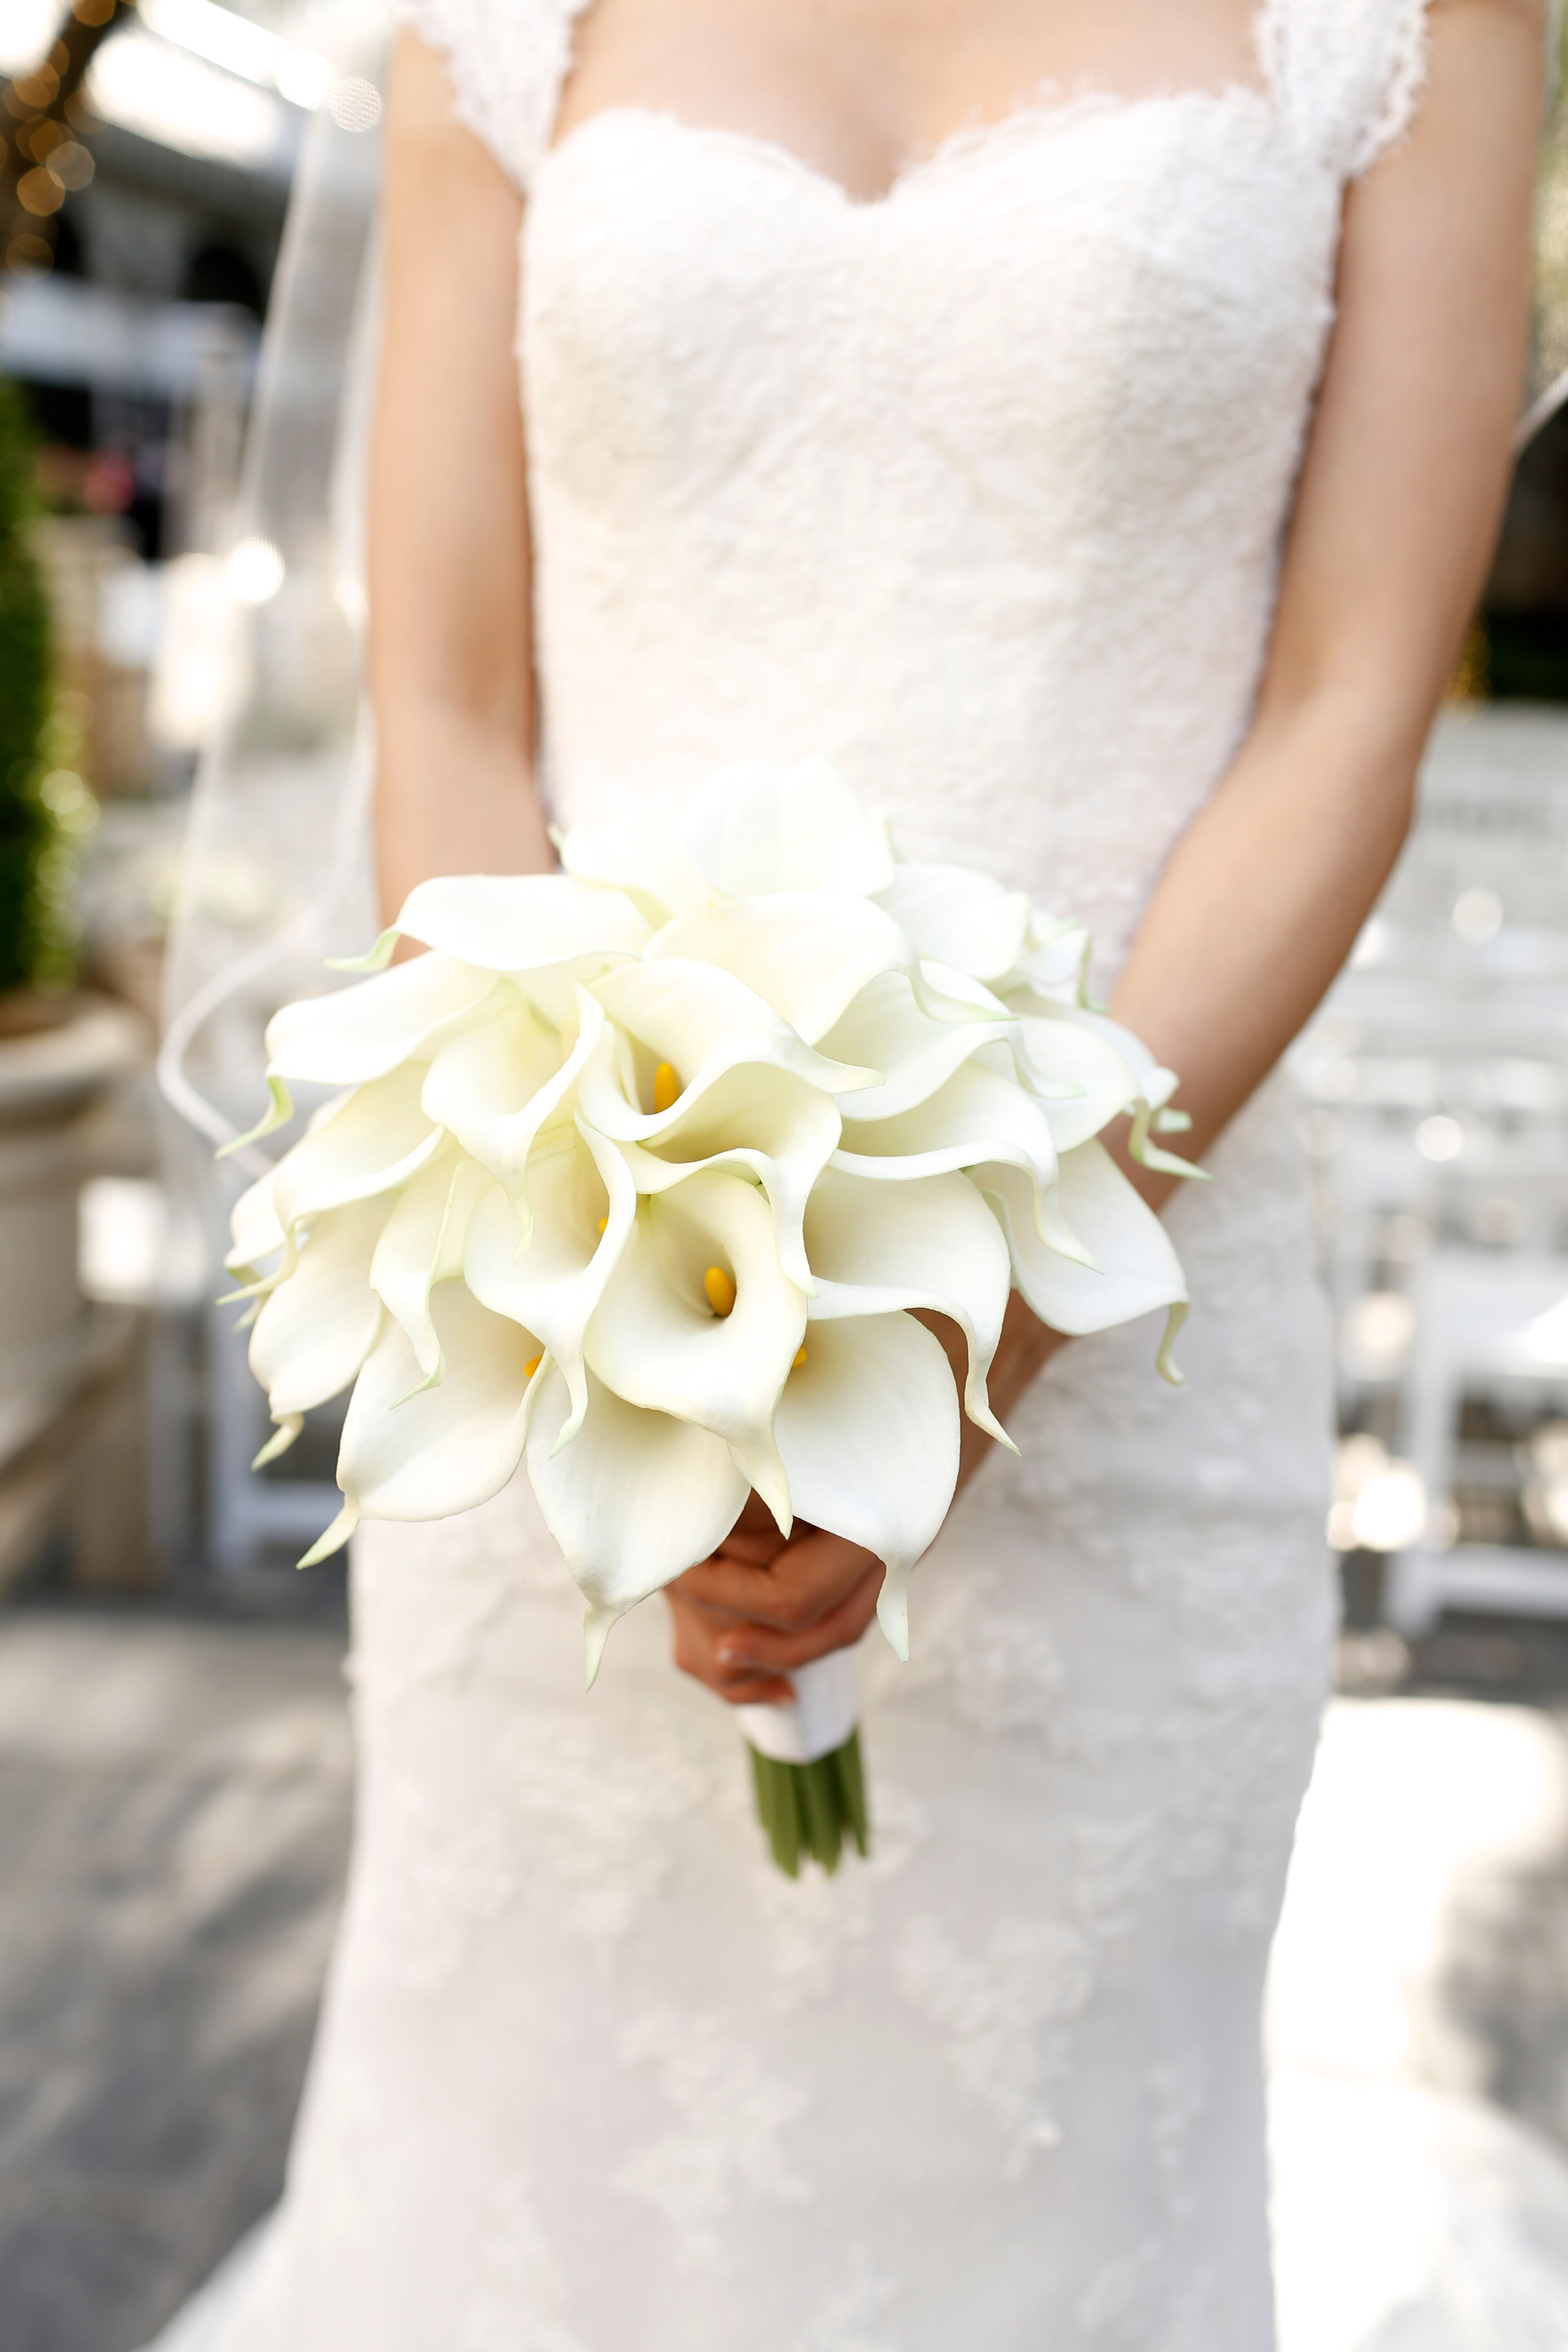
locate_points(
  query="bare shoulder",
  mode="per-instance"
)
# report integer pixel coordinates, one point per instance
(428, 142)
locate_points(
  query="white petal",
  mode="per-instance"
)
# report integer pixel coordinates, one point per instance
(1140, 1269)
(656, 1342)
(500, 1085)
(584, 1204)
(254, 1230)
(960, 918)
(808, 953)
(1056, 959)
(415, 1451)
(949, 995)
(753, 828)
(635, 1499)
(887, 1030)
(867, 1429)
(520, 922)
(1155, 1084)
(371, 1141)
(1081, 1078)
(761, 1122)
(423, 1246)
(643, 859)
(703, 1023)
(356, 1033)
(976, 1115)
(874, 1248)
(316, 1329)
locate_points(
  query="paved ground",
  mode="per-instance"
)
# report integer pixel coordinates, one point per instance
(173, 1816)
(175, 1797)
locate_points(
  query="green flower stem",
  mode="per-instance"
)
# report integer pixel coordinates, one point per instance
(808, 1810)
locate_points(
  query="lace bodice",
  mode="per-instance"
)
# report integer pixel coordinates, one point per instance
(858, 478)
(979, 489)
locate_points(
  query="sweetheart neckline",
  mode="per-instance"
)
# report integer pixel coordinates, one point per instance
(970, 144)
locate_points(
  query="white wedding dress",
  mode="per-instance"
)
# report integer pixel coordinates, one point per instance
(978, 489)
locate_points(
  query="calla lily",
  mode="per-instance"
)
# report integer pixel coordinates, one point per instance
(369, 1142)
(808, 953)
(977, 1115)
(416, 1451)
(1136, 1268)
(356, 1033)
(499, 1088)
(1054, 962)
(932, 1242)
(635, 1500)
(315, 1330)
(254, 1231)
(586, 1204)
(868, 1432)
(643, 860)
(886, 1029)
(753, 829)
(1080, 1078)
(656, 1339)
(698, 1024)
(960, 918)
(522, 922)
(421, 1244)
(756, 1121)
(1155, 1087)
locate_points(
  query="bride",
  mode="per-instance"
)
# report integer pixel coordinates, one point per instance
(1085, 421)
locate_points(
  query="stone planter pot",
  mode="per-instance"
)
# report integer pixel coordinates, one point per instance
(56, 1064)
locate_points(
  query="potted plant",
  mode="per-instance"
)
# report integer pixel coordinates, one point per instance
(60, 1048)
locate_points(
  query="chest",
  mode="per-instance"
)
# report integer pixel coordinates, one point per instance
(1100, 306)
(857, 89)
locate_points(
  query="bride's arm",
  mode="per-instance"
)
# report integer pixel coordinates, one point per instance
(1396, 512)
(451, 666)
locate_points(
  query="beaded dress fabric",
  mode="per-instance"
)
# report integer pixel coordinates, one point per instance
(979, 489)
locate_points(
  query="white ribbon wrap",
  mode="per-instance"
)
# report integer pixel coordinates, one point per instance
(827, 1709)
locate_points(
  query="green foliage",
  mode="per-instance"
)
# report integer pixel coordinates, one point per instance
(42, 805)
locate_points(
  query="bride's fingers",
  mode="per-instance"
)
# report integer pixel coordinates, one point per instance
(752, 1551)
(695, 1652)
(755, 1538)
(812, 1575)
(758, 1647)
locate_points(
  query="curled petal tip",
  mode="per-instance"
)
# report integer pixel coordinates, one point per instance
(1164, 1362)
(281, 1439)
(893, 1615)
(336, 1535)
(376, 958)
(278, 1112)
(1149, 1154)
(596, 1626)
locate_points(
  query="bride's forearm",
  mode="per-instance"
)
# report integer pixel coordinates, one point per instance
(1262, 901)
(453, 796)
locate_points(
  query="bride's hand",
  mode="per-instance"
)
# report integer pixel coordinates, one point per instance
(760, 1606)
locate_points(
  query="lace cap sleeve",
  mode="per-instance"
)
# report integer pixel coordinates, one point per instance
(508, 61)
(1347, 74)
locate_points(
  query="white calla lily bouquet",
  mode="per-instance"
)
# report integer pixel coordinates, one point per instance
(636, 1174)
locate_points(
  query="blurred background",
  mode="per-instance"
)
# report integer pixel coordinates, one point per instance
(186, 297)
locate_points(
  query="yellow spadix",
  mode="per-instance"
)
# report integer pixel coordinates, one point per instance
(719, 1288)
(666, 1088)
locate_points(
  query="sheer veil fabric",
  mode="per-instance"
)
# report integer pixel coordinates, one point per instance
(978, 489)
